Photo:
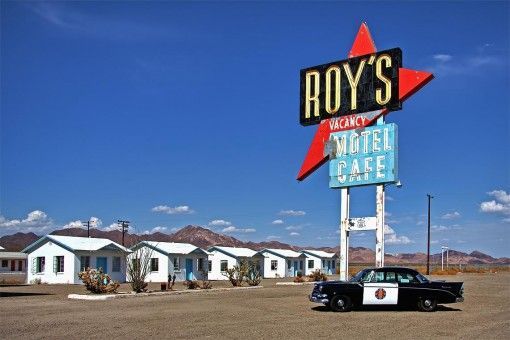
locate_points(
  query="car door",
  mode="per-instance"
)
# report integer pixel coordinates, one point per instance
(409, 288)
(382, 289)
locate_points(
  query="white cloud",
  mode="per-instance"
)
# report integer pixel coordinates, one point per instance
(387, 214)
(442, 57)
(277, 222)
(420, 223)
(390, 237)
(501, 196)
(95, 222)
(500, 205)
(181, 209)
(449, 216)
(292, 212)
(444, 65)
(294, 234)
(439, 228)
(294, 227)
(273, 237)
(111, 227)
(233, 229)
(219, 223)
(36, 220)
(158, 229)
(388, 198)
(73, 224)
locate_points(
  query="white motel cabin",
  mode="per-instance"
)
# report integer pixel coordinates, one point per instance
(13, 266)
(223, 258)
(320, 260)
(282, 263)
(59, 259)
(186, 261)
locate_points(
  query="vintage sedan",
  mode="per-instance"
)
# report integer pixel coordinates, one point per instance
(387, 286)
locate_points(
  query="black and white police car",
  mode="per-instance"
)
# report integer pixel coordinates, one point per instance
(387, 286)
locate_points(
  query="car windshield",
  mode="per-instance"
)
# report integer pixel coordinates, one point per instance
(362, 275)
(422, 278)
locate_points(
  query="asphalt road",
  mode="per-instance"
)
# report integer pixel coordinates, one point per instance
(270, 312)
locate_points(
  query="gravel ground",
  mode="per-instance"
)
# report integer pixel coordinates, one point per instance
(272, 312)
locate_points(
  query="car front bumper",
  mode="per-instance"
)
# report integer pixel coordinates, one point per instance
(319, 298)
(459, 299)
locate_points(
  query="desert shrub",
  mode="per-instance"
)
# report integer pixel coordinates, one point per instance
(206, 284)
(191, 284)
(253, 277)
(299, 279)
(36, 281)
(138, 267)
(98, 282)
(237, 274)
(317, 276)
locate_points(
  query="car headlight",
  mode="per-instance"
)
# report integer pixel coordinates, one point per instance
(320, 288)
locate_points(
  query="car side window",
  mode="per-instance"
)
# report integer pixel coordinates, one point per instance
(384, 277)
(406, 278)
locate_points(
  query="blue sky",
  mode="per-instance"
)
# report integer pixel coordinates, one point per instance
(168, 114)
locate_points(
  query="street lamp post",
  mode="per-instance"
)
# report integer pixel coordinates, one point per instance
(428, 235)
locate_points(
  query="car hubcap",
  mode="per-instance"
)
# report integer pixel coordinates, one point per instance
(427, 303)
(340, 303)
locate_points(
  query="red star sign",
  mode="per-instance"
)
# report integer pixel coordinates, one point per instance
(410, 81)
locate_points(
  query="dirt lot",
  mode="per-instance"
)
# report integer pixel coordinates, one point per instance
(271, 312)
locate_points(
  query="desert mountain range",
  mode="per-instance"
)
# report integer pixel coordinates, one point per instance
(204, 238)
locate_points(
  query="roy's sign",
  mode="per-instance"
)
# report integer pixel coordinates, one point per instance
(363, 156)
(355, 85)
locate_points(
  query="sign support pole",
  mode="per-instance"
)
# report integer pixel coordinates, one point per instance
(344, 233)
(379, 207)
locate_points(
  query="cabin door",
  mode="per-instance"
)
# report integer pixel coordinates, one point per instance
(295, 268)
(101, 262)
(189, 269)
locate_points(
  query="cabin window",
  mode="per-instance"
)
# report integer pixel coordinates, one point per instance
(223, 265)
(5, 263)
(300, 265)
(177, 264)
(116, 264)
(323, 263)
(39, 264)
(200, 265)
(333, 264)
(274, 265)
(20, 265)
(310, 264)
(84, 263)
(154, 264)
(209, 265)
(289, 264)
(58, 264)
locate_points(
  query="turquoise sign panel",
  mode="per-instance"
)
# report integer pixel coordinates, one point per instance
(363, 156)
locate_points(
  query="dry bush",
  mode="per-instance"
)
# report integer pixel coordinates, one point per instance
(253, 277)
(98, 282)
(191, 284)
(317, 276)
(206, 284)
(237, 274)
(138, 267)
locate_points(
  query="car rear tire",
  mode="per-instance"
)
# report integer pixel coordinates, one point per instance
(340, 303)
(427, 305)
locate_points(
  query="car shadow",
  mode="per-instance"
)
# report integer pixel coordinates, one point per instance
(440, 308)
(19, 294)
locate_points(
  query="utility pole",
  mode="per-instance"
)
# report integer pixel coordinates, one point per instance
(428, 237)
(124, 225)
(88, 227)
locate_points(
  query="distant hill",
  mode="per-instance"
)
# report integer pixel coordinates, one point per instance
(205, 238)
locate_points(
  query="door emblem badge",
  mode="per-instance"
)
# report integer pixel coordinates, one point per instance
(380, 294)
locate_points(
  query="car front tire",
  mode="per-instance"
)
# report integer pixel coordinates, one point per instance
(340, 303)
(427, 305)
